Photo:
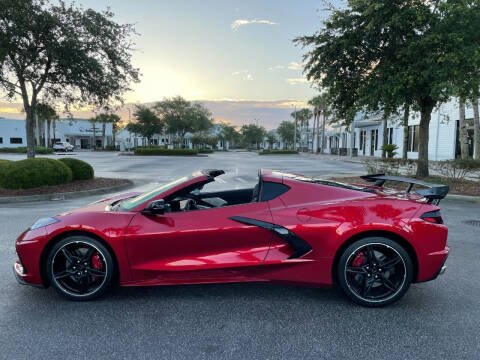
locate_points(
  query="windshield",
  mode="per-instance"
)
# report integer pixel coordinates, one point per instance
(133, 202)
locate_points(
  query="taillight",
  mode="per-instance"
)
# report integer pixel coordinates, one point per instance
(433, 217)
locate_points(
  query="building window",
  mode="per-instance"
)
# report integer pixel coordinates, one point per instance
(412, 145)
(1, 140)
(390, 136)
(374, 139)
(16, 140)
(363, 135)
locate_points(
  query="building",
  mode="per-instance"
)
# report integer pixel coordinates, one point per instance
(78, 132)
(366, 134)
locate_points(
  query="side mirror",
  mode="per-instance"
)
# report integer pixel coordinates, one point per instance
(156, 207)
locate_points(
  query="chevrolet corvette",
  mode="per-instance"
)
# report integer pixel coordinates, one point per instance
(367, 239)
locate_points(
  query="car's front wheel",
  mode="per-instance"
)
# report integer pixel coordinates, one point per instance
(80, 267)
(375, 271)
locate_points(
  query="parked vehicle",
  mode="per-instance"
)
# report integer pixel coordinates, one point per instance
(63, 146)
(371, 241)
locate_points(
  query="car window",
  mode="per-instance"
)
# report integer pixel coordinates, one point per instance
(130, 204)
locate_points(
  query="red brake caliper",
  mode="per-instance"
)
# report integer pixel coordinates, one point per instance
(97, 264)
(358, 261)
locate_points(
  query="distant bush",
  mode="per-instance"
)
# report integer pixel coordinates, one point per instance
(23, 150)
(81, 170)
(390, 150)
(277, 152)
(458, 169)
(112, 148)
(164, 152)
(390, 166)
(31, 173)
(205, 151)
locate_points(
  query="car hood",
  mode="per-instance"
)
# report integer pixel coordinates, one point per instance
(101, 205)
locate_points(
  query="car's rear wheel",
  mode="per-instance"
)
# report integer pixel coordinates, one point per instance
(375, 271)
(80, 268)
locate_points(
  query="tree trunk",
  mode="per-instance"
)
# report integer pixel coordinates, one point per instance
(323, 131)
(384, 135)
(54, 127)
(48, 133)
(104, 125)
(406, 116)
(94, 136)
(425, 116)
(114, 134)
(476, 131)
(462, 129)
(30, 131)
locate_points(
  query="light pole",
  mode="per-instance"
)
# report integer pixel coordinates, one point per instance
(295, 129)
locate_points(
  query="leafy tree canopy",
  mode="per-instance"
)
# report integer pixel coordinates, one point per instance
(286, 131)
(51, 50)
(253, 134)
(147, 122)
(182, 116)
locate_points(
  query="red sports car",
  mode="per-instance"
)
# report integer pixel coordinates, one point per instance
(371, 241)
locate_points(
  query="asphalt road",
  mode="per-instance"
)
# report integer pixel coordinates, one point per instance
(435, 320)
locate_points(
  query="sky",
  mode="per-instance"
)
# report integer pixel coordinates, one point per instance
(235, 56)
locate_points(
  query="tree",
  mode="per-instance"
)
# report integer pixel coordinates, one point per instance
(182, 116)
(147, 123)
(229, 133)
(302, 117)
(51, 50)
(286, 131)
(476, 130)
(93, 121)
(382, 55)
(253, 134)
(462, 129)
(406, 116)
(321, 104)
(271, 138)
(115, 121)
(47, 114)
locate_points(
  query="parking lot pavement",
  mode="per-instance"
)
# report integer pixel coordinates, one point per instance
(435, 320)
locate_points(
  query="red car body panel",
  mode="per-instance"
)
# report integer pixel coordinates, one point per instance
(205, 246)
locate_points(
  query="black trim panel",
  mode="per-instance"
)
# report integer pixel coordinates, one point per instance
(300, 246)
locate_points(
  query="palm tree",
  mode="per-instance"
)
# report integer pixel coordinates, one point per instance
(94, 121)
(321, 106)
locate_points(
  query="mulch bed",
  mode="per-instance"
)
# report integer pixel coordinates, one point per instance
(79, 185)
(460, 187)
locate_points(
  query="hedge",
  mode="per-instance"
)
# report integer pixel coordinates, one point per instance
(31, 173)
(205, 151)
(277, 152)
(80, 169)
(23, 150)
(4, 165)
(164, 152)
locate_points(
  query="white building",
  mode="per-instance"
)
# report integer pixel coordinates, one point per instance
(368, 134)
(78, 132)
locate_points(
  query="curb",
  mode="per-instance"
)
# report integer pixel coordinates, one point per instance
(64, 196)
(468, 198)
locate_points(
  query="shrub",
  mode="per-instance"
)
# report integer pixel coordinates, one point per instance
(31, 173)
(4, 165)
(390, 166)
(205, 151)
(390, 150)
(164, 152)
(457, 170)
(23, 150)
(112, 148)
(80, 169)
(277, 152)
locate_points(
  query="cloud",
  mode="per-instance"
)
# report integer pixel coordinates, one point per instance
(276, 67)
(296, 81)
(245, 74)
(242, 22)
(295, 66)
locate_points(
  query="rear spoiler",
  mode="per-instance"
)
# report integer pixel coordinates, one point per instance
(433, 192)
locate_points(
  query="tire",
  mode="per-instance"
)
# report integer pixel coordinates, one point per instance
(80, 268)
(375, 271)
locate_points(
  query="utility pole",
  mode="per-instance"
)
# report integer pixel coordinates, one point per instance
(295, 129)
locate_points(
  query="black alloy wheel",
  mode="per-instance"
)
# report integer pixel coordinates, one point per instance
(80, 268)
(375, 271)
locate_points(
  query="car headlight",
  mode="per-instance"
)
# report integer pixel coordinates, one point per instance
(43, 222)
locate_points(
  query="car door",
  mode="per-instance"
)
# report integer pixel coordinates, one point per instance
(160, 247)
